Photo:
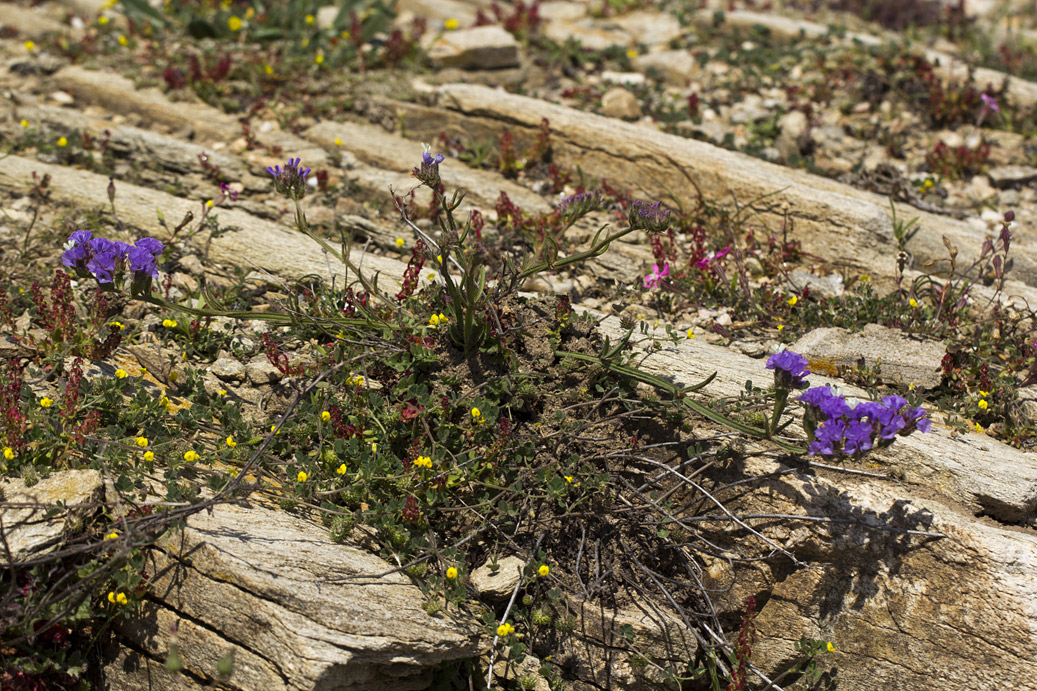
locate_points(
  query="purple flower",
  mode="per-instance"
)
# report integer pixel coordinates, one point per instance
(77, 249)
(828, 438)
(712, 257)
(428, 172)
(290, 180)
(649, 217)
(917, 419)
(227, 192)
(989, 102)
(142, 261)
(790, 370)
(576, 205)
(858, 437)
(653, 279)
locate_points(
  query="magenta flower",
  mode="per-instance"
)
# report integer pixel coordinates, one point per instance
(712, 257)
(989, 102)
(653, 279)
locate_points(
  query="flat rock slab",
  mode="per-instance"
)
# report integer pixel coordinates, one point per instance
(478, 48)
(830, 218)
(27, 531)
(902, 358)
(256, 582)
(248, 241)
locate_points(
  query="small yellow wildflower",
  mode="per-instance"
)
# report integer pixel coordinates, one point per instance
(864, 278)
(234, 23)
(910, 387)
(191, 456)
(792, 301)
(121, 374)
(208, 203)
(301, 477)
(439, 258)
(123, 41)
(274, 429)
(24, 123)
(568, 478)
(451, 573)
(318, 58)
(114, 535)
(102, 20)
(62, 141)
(423, 462)
(979, 428)
(169, 323)
(8, 453)
(345, 35)
(544, 570)
(45, 402)
(781, 327)
(221, 392)
(338, 142)
(230, 442)
(691, 334)
(431, 275)
(374, 447)
(505, 630)
(30, 45)
(357, 380)
(913, 302)
(341, 470)
(117, 325)
(310, 19)
(325, 416)
(121, 598)
(984, 394)
(982, 405)
(399, 242)
(141, 441)
(149, 456)
(111, 597)
(451, 24)
(476, 413)
(831, 648)
(433, 320)
(443, 318)
(268, 69)
(632, 53)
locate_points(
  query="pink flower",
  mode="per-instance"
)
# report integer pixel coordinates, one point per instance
(712, 256)
(652, 280)
(989, 102)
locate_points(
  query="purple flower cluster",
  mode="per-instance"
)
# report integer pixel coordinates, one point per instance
(428, 172)
(790, 370)
(576, 205)
(836, 429)
(650, 217)
(291, 179)
(107, 260)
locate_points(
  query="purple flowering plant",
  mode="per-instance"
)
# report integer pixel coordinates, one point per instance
(836, 429)
(290, 180)
(107, 261)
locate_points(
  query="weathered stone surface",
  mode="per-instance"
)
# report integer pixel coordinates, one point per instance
(677, 67)
(620, 103)
(228, 369)
(494, 585)
(260, 371)
(29, 23)
(903, 358)
(1009, 176)
(830, 285)
(27, 531)
(478, 48)
(831, 218)
(792, 125)
(260, 583)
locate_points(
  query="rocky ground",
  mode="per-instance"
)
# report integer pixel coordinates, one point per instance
(834, 182)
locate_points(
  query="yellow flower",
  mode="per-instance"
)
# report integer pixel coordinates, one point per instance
(544, 570)
(102, 20)
(231, 443)
(117, 325)
(24, 123)
(325, 416)
(439, 258)
(691, 334)
(632, 53)
(319, 58)
(310, 19)
(792, 301)
(345, 35)
(431, 275)
(865, 278)
(423, 462)
(111, 597)
(476, 413)
(780, 327)
(268, 69)
(62, 141)
(112, 535)
(338, 142)
(121, 374)
(221, 392)
(982, 405)
(505, 630)
(984, 394)
(374, 447)
(357, 380)
(433, 320)
(141, 441)
(341, 469)
(121, 598)
(274, 429)
(191, 456)
(451, 573)
(45, 402)
(234, 23)
(910, 387)
(208, 203)
(30, 45)
(301, 477)
(123, 41)
(399, 241)
(979, 428)
(568, 478)
(169, 323)
(8, 453)
(831, 648)
(443, 318)
(913, 302)
(149, 456)
(451, 24)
